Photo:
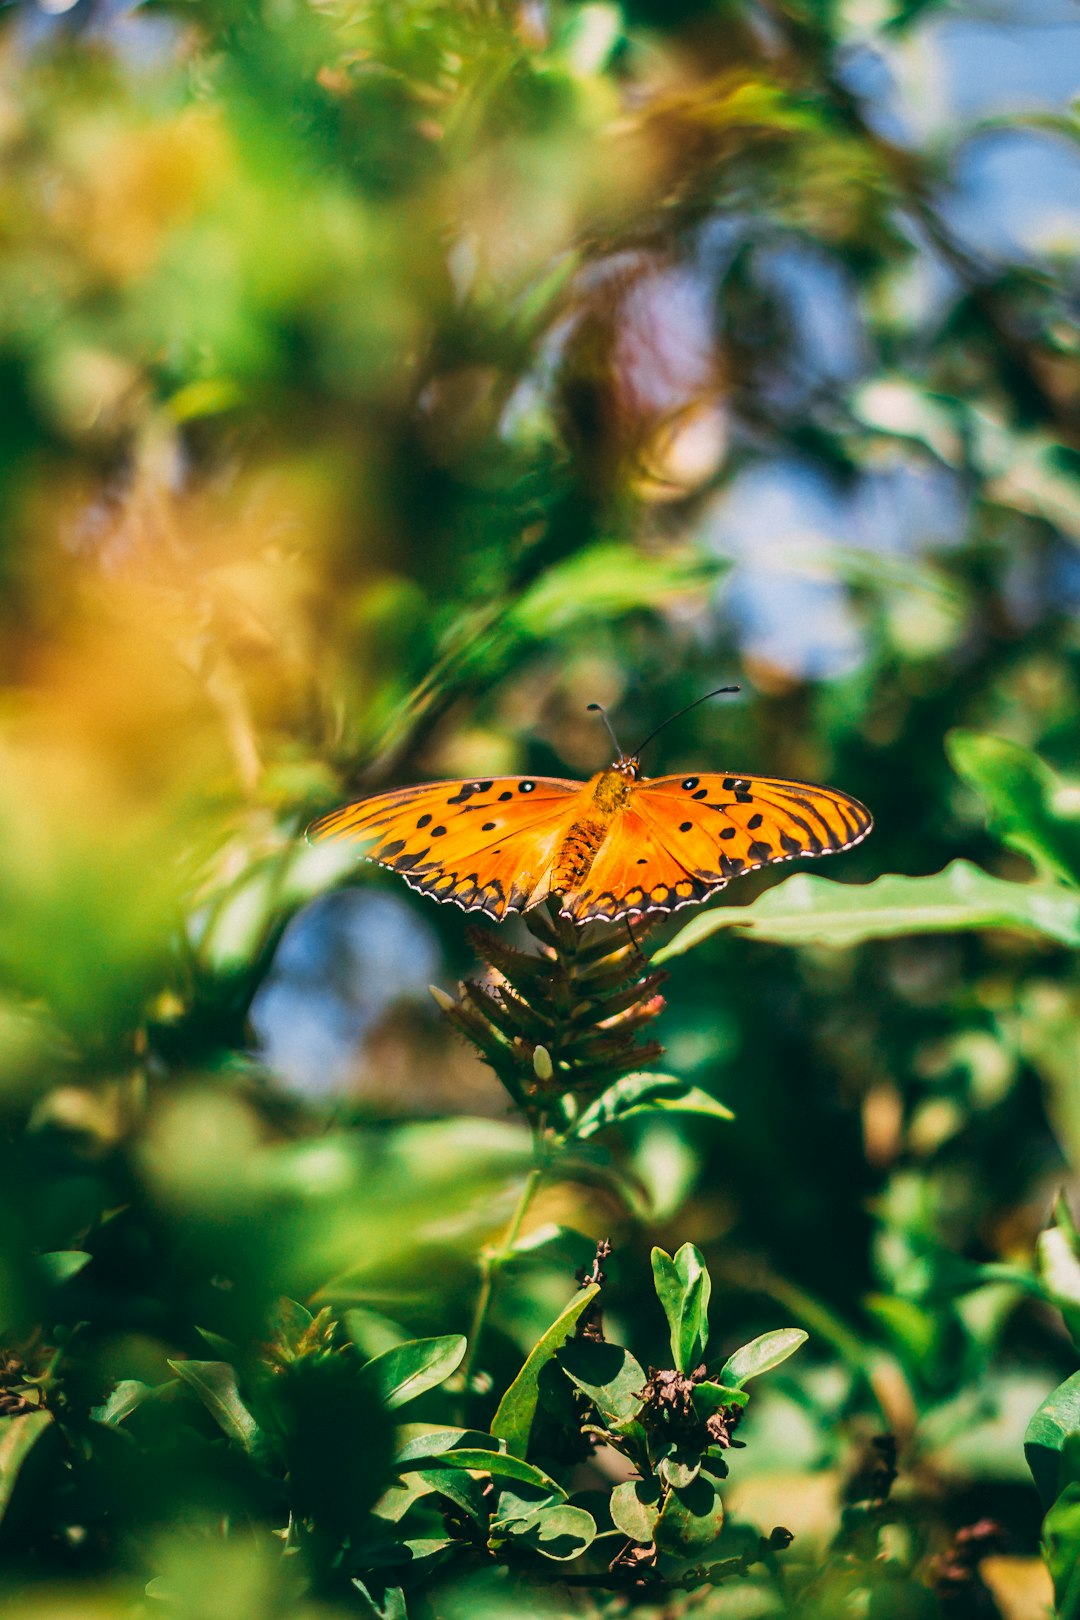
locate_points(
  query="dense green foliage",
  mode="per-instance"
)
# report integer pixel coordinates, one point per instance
(381, 384)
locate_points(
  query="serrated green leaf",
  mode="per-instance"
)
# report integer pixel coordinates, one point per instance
(807, 910)
(761, 1355)
(646, 1094)
(514, 1418)
(1061, 1544)
(410, 1369)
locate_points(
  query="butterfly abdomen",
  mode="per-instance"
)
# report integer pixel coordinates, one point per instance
(577, 853)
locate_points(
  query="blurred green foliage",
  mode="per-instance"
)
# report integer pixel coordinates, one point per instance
(382, 383)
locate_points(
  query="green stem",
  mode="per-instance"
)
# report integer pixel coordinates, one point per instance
(494, 1259)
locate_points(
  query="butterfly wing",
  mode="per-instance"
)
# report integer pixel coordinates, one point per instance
(732, 824)
(486, 845)
(680, 839)
(635, 872)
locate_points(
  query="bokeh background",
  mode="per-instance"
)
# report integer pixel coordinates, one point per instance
(382, 383)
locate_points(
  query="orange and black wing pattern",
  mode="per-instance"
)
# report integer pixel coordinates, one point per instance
(486, 845)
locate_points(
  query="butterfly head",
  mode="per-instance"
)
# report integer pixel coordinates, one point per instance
(628, 766)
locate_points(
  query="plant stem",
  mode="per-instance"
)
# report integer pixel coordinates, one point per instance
(494, 1259)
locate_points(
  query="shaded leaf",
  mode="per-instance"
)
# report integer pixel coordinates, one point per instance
(514, 1418)
(408, 1370)
(18, 1437)
(609, 1375)
(63, 1263)
(635, 1508)
(807, 910)
(121, 1401)
(214, 1382)
(559, 1532)
(691, 1518)
(1031, 808)
(1045, 1442)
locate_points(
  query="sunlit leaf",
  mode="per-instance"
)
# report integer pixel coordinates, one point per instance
(646, 1093)
(761, 1355)
(807, 910)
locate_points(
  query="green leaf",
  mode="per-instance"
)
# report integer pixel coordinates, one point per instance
(683, 1288)
(18, 1437)
(1046, 1441)
(711, 1397)
(214, 1382)
(635, 1508)
(1061, 1544)
(606, 581)
(1058, 1262)
(410, 1369)
(646, 1094)
(554, 1532)
(121, 1402)
(63, 1263)
(608, 1375)
(761, 1355)
(514, 1418)
(501, 1465)
(460, 1488)
(807, 910)
(473, 1451)
(691, 1518)
(1031, 808)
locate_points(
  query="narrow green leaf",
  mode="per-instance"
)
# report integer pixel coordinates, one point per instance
(514, 1418)
(761, 1355)
(435, 1442)
(807, 910)
(1031, 808)
(18, 1437)
(635, 1508)
(500, 1464)
(646, 1094)
(683, 1288)
(214, 1382)
(609, 1375)
(410, 1369)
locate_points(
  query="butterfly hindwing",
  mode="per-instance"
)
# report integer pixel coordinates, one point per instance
(634, 873)
(486, 844)
(731, 824)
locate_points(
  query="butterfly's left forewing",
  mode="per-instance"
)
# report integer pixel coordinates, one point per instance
(487, 844)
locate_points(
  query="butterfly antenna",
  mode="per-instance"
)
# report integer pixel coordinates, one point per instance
(598, 708)
(679, 714)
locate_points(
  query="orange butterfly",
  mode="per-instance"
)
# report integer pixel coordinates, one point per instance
(619, 845)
